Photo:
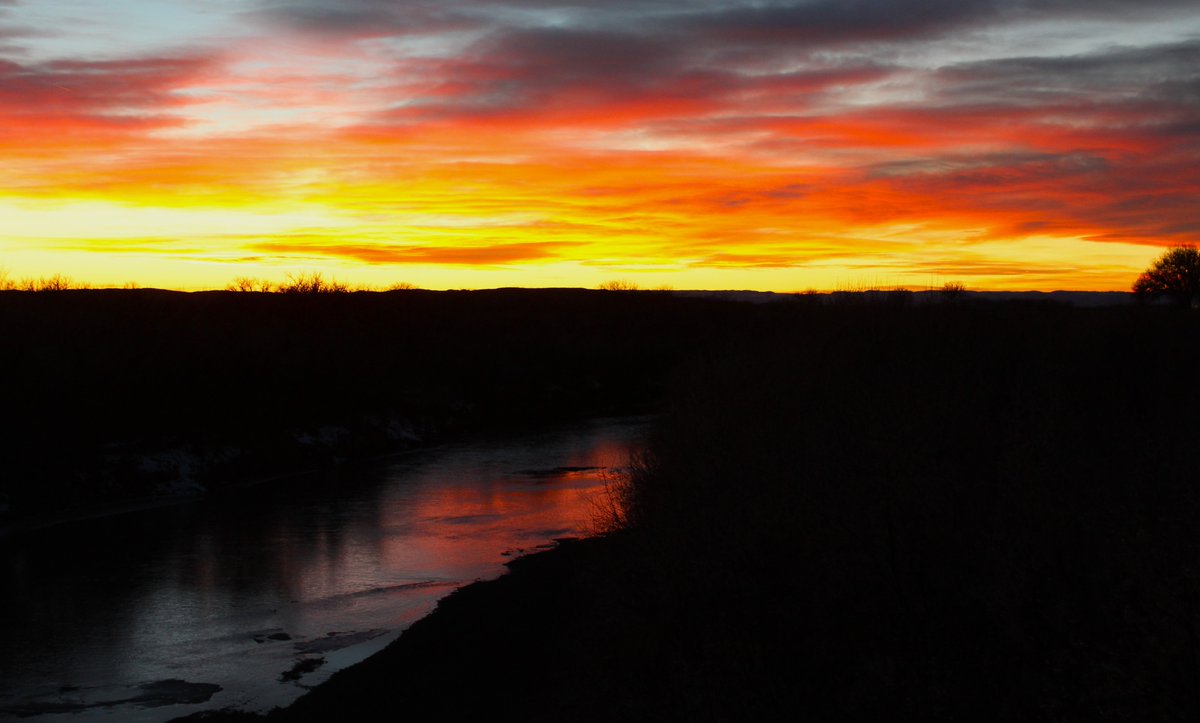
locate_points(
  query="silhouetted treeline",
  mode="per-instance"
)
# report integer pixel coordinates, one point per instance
(112, 394)
(965, 512)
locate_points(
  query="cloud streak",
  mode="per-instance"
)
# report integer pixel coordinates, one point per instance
(76, 101)
(474, 256)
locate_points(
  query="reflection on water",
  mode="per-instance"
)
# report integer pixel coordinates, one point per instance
(290, 580)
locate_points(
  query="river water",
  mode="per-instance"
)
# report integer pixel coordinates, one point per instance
(267, 591)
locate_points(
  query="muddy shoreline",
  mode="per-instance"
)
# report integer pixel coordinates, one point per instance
(542, 638)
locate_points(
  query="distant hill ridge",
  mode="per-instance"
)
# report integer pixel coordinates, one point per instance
(1072, 298)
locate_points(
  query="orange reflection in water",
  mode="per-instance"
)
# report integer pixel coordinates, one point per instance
(476, 515)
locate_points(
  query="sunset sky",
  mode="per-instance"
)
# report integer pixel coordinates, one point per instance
(830, 144)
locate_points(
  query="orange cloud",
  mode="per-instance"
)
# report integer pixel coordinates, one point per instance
(391, 254)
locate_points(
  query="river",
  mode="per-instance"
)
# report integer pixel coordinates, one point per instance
(248, 599)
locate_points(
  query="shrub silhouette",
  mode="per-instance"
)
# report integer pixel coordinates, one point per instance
(57, 282)
(1174, 275)
(249, 283)
(618, 285)
(312, 283)
(953, 291)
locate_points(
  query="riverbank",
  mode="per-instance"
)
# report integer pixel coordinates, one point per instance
(548, 634)
(261, 593)
(564, 635)
(962, 513)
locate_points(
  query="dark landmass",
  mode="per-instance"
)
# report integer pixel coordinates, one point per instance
(127, 397)
(120, 398)
(877, 511)
(1080, 299)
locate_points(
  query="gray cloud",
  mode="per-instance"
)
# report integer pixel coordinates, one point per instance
(834, 21)
(105, 96)
(536, 71)
(980, 166)
(815, 22)
(1170, 72)
(363, 18)
(532, 47)
(556, 57)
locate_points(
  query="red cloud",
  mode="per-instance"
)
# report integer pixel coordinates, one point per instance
(79, 103)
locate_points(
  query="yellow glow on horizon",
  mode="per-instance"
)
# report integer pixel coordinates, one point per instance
(659, 219)
(108, 221)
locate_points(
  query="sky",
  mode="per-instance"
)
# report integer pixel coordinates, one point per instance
(748, 144)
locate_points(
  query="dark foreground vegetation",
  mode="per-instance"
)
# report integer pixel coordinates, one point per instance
(961, 512)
